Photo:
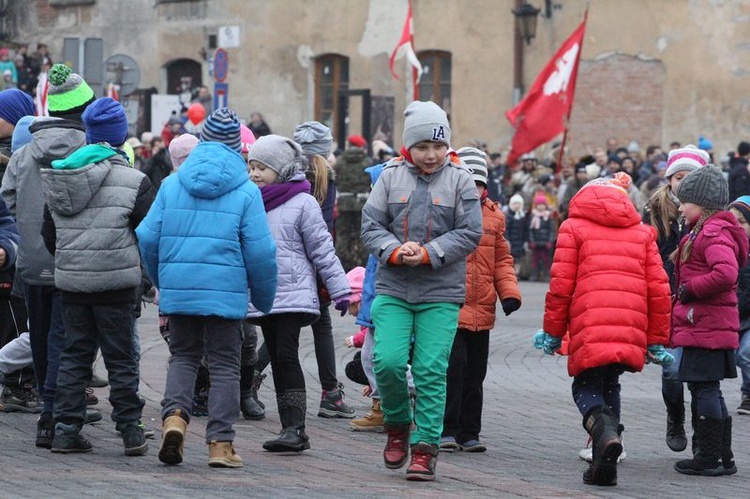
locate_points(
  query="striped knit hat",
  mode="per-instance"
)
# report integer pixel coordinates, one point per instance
(686, 159)
(223, 126)
(742, 204)
(476, 160)
(68, 94)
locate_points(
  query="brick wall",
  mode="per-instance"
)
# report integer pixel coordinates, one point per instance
(620, 96)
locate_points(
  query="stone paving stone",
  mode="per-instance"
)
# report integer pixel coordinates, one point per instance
(530, 425)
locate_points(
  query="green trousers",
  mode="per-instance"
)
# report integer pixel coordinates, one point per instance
(428, 329)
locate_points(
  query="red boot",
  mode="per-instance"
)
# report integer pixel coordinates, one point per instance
(423, 462)
(397, 447)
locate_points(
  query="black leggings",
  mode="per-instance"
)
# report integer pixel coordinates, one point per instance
(281, 339)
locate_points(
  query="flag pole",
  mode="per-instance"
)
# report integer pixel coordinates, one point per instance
(573, 93)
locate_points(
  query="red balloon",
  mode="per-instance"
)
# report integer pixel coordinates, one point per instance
(196, 113)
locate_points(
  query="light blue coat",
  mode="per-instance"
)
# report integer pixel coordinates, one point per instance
(206, 241)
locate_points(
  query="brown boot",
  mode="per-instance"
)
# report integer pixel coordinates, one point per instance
(173, 438)
(222, 455)
(372, 421)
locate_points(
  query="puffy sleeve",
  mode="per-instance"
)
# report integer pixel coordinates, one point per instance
(659, 301)
(506, 281)
(562, 282)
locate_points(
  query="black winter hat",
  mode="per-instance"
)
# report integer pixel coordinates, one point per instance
(743, 149)
(705, 187)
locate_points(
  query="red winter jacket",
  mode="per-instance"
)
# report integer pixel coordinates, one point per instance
(608, 286)
(710, 319)
(489, 273)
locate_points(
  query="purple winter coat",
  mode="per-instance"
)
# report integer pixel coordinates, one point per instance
(710, 318)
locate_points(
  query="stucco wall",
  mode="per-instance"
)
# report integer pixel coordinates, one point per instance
(703, 47)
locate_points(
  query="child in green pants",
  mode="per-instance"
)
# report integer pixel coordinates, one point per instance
(422, 219)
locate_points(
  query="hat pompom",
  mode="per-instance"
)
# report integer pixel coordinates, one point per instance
(58, 74)
(622, 180)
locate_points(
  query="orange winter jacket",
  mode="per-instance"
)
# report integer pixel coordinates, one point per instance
(489, 273)
(608, 287)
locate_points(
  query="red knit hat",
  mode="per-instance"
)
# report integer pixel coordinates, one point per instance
(357, 141)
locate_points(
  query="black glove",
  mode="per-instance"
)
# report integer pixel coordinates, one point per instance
(510, 305)
(683, 295)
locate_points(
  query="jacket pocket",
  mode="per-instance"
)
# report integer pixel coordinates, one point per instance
(442, 213)
(398, 211)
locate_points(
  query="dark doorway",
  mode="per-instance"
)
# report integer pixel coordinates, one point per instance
(183, 76)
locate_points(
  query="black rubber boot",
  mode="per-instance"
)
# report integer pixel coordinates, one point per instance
(707, 462)
(727, 457)
(292, 438)
(603, 426)
(249, 407)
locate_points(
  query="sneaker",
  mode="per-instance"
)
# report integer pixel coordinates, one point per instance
(448, 444)
(744, 407)
(45, 431)
(472, 445)
(332, 404)
(97, 382)
(372, 421)
(423, 462)
(91, 399)
(134, 439)
(587, 454)
(68, 440)
(21, 399)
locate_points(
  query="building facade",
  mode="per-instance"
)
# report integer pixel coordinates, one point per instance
(651, 70)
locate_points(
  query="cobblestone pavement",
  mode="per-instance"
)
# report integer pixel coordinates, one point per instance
(531, 427)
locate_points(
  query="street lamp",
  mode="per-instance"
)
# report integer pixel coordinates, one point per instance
(526, 18)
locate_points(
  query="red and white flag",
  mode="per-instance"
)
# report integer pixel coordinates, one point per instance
(544, 113)
(405, 46)
(113, 91)
(40, 97)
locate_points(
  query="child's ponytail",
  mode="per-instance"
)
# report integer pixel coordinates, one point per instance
(318, 175)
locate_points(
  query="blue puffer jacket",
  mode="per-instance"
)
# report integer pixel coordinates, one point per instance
(371, 271)
(206, 239)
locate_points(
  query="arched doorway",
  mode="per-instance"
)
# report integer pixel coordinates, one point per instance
(183, 76)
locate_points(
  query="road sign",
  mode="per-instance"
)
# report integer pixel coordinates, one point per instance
(221, 95)
(221, 65)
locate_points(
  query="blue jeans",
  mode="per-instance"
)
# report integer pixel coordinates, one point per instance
(47, 337)
(110, 327)
(743, 362)
(221, 339)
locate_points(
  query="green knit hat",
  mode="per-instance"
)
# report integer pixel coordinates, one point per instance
(68, 94)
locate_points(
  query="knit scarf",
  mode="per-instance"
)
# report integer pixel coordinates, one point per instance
(275, 195)
(538, 216)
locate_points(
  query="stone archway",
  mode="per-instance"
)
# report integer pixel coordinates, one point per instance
(183, 75)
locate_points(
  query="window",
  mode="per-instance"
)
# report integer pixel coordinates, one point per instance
(435, 84)
(331, 76)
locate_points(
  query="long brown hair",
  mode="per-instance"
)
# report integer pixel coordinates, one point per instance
(663, 211)
(318, 174)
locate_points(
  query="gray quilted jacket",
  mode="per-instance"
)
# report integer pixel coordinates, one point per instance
(441, 212)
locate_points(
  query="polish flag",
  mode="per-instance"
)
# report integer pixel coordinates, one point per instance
(405, 46)
(545, 111)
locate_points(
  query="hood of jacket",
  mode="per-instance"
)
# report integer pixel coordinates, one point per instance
(212, 170)
(73, 181)
(725, 221)
(55, 138)
(604, 205)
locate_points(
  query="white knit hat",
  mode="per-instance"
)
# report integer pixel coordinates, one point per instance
(425, 121)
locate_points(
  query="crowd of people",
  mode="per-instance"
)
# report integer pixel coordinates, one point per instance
(235, 229)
